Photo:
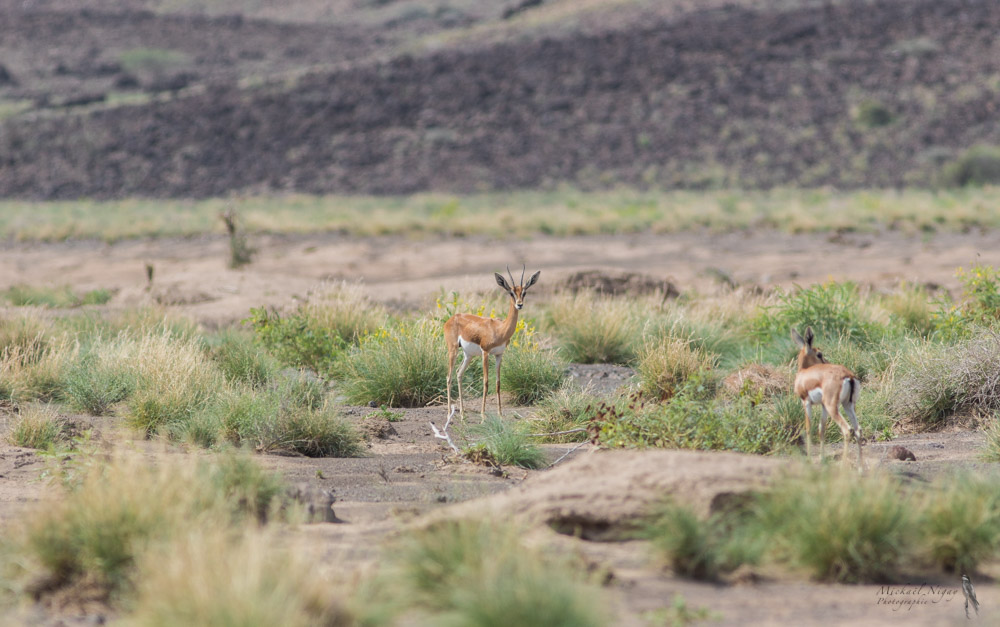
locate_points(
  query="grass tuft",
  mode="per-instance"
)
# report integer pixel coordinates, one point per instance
(590, 329)
(666, 363)
(506, 444)
(37, 426)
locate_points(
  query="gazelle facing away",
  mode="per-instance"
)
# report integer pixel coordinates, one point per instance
(828, 385)
(477, 335)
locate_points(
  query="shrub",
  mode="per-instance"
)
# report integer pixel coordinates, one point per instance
(506, 445)
(979, 305)
(298, 340)
(37, 426)
(480, 574)
(909, 307)
(873, 114)
(567, 408)
(979, 165)
(592, 329)
(936, 381)
(840, 526)
(55, 297)
(404, 366)
(115, 511)
(275, 420)
(960, 522)
(699, 549)
(345, 308)
(212, 578)
(241, 361)
(666, 363)
(831, 309)
(691, 421)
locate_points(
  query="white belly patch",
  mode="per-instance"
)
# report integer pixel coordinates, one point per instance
(815, 396)
(472, 349)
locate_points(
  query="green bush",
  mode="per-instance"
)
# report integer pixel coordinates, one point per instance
(700, 549)
(479, 574)
(563, 410)
(691, 421)
(298, 340)
(831, 309)
(934, 381)
(979, 305)
(979, 165)
(283, 419)
(54, 297)
(960, 522)
(840, 526)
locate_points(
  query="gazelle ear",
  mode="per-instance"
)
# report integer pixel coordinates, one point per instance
(798, 338)
(809, 336)
(531, 281)
(502, 282)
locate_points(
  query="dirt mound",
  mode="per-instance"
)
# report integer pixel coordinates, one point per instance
(758, 379)
(848, 94)
(618, 284)
(604, 494)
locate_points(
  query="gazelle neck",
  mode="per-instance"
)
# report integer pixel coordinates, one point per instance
(510, 323)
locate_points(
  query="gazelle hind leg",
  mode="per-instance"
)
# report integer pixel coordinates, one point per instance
(807, 407)
(845, 429)
(849, 410)
(824, 415)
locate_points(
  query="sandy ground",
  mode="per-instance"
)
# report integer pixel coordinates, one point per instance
(406, 475)
(192, 274)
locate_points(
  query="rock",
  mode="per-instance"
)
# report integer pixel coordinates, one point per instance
(318, 502)
(377, 428)
(902, 454)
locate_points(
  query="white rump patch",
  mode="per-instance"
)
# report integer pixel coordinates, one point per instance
(816, 396)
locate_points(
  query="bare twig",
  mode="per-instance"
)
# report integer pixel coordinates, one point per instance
(443, 433)
(542, 435)
(566, 454)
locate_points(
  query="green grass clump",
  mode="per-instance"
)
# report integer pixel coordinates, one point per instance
(241, 361)
(480, 574)
(37, 426)
(840, 526)
(529, 373)
(403, 366)
(590, 329)
(112, 512)
(935, 381)
(54, 297)
(285, 418)
(831, 309)
(94, 386)
(665, 363)
(696, 548)
(213, 578)
(506, 444)
(694, 420)
(567, 408)
(960, 522)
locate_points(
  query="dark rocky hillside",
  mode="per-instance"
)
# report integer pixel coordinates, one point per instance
(852, 94)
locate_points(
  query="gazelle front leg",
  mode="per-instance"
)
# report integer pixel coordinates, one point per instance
(486, 380)
(499, 408)
(461, 371)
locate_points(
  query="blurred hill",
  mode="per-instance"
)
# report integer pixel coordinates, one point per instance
(194, 99)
